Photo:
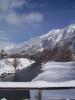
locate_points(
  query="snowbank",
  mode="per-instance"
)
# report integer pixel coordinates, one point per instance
(38, 84)
(6, 65)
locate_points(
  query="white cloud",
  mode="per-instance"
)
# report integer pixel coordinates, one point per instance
(10, 16)
(30, 18)
(34, 18)
(5, 42)
(8, 5)
(17, 3)
(3, 37)
(6, 45)
(4, 5)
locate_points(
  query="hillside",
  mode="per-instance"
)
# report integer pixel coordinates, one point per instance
(55, 37)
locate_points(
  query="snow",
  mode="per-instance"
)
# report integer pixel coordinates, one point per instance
(72, 26)
(37, 84)
(6, 65)
(53, 64)
(56, 74)
(57, 71)
(24, 63)
(3, 99)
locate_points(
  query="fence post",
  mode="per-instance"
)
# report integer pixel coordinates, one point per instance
(39, 94)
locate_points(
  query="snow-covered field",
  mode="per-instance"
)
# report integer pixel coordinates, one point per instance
(56, 72)
(6, 65)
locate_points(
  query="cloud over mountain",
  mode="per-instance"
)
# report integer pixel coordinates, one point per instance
(9, 13)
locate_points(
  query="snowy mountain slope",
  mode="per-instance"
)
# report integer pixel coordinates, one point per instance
(49, 40)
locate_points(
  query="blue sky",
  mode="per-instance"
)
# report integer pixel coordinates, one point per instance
(21, 20)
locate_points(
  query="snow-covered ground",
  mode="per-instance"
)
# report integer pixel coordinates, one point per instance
(6, 65)
(38, 84)
(56, 73)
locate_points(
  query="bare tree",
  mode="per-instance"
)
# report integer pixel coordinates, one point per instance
(47, 55)
(3, 54)
(62, 53)
(15, 65)
(47, 52)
